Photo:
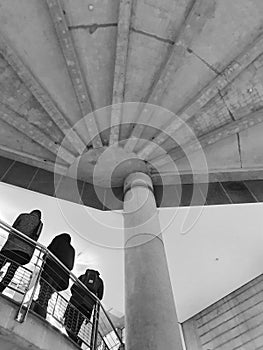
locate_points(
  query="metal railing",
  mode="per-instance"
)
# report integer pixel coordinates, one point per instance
(91, 330)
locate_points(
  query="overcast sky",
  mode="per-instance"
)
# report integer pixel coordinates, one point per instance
(217, 250)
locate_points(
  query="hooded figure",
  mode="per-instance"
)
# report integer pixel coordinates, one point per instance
(17, 250)
(53, 276)
(81, 303)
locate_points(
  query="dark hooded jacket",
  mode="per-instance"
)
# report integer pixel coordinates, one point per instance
(52, 272)
(31, 225)
(81, 299)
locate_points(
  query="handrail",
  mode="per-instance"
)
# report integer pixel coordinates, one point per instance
(46, 251)
(9, 229)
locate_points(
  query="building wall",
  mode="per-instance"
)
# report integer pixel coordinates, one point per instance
(235, 322)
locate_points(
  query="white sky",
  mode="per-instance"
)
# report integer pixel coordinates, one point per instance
(220, 250)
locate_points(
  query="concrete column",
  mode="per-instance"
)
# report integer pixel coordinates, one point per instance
(151, 321)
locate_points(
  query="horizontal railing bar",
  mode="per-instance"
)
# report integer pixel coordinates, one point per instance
(50, 254)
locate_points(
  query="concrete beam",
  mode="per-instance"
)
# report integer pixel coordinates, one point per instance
(237, 66)
(247, 183)
(39, 92)
(34, 133)
(223, 175)
(191, 28)
(226, 130)
(65, 39)
(123, 34)
(34, 161)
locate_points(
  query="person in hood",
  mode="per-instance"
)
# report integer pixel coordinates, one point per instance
(82, 302)
(55, 278)
(17, 250)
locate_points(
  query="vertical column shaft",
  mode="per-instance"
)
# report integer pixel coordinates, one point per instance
(151, 321)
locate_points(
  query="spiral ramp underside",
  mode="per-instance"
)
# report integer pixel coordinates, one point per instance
(110, 87)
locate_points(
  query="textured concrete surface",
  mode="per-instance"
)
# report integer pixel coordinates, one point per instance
(94, 32)
(151, 39)
(201, 59)
(38, 47)
(230, 27)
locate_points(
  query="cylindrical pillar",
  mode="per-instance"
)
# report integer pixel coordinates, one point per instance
(151, 321)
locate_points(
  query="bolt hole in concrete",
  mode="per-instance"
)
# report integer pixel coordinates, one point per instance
(91, 7)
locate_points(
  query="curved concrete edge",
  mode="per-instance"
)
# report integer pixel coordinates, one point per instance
(35, 333)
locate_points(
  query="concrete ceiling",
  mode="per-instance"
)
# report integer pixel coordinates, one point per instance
(201, 60)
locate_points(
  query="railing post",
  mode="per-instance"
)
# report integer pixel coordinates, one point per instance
(26, 304)
(95, 326)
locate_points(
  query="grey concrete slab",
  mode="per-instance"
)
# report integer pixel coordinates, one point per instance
(251, 144)
(217, 195)
(13, 139)
(238, 192)
(96, 53)
(94, 28)
(113, 199)
(167, 196)
(189, 79)
(154, 28)
(146, 55)
(43, 182)
(231, 26)
(15, 95)
(80, 12)
(162, 18)
(37, 46)
(256, 188)
(90, 196)
(5, 165)
(221, 155)
(68, 189)
(20, 175)
(191, 195)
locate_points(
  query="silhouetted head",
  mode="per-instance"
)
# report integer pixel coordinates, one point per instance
(65, 237)
(87, 271)
(36, 212)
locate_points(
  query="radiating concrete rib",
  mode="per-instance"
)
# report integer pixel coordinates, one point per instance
(15, 106)
(234, 68)
(226, 130)
(123, 34)
(73, 65)
(192, 27)
(34, 133)
(40, 94)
